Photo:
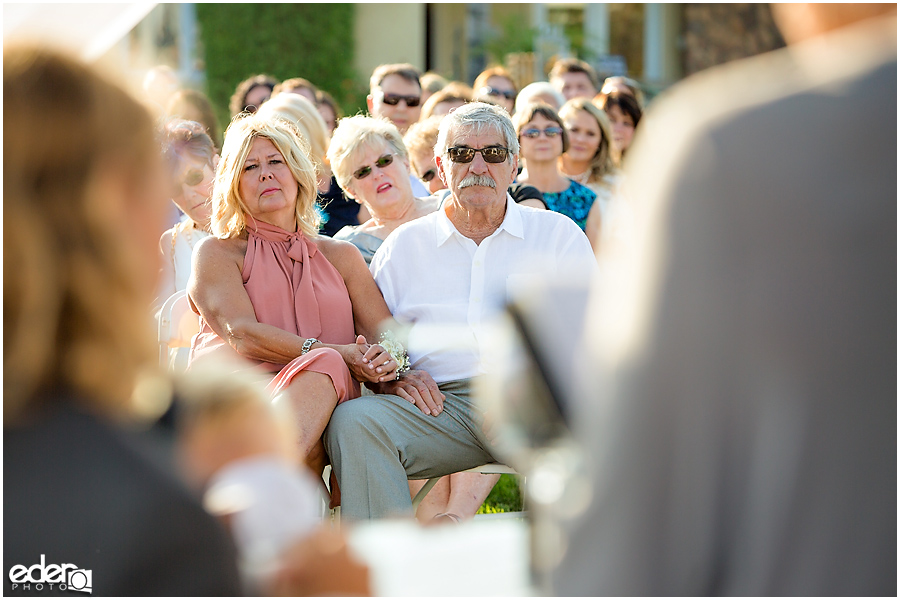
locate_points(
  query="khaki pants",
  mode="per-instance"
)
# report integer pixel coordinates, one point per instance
(377, 442)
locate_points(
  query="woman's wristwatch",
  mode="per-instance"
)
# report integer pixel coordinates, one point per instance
(307, 345)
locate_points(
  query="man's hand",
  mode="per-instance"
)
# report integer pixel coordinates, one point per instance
(418, 388)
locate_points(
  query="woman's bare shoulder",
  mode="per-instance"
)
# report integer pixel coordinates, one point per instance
(342, 255)
(212, 247)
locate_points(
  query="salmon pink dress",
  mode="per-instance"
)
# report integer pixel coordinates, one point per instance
(292, 286)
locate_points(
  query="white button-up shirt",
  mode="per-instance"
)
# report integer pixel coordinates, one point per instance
(448, 288)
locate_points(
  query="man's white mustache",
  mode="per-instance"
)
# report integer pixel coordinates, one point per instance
(483, 180)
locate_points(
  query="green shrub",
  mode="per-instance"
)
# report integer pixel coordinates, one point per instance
(314, 41)
(505, 497)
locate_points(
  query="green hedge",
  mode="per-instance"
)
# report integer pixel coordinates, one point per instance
(314, 41)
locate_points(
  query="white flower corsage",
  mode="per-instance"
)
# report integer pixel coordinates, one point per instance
(396, 350)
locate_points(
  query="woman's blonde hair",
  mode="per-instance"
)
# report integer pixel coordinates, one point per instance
(229, 218)
(354, 135)
(304, 115)
(76, 293)
(604, 160)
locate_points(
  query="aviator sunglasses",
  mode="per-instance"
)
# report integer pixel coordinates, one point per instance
(549, 132)
(394, 99)
(381, 163)
(491, 154)
(428, 175)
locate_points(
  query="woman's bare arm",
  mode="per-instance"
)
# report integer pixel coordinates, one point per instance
(217, 290)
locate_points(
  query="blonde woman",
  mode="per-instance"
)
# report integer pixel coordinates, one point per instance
(590, 159)
(295, 306)
(371, 164)
(337, 210)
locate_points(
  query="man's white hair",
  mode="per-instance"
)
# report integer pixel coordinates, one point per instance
(477, 118)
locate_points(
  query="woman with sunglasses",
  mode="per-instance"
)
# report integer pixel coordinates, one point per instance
(371, 164)
(419, 140)
(273, 295)
(191, 160)
(542, 141)
(497, 83)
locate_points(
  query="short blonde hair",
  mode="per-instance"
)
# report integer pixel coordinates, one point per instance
(355, 134)
(304, 115)
(229, 209)
(75, 307)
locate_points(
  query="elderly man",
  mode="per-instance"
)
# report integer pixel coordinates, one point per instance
(574, 78)
(450, 268)
(395, 94)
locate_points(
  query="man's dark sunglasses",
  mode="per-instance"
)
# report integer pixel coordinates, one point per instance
(488, 90)
(381, 163)
(394, 99)
(491, 154)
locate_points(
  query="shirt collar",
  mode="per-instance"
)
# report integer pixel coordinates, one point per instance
(512, 223)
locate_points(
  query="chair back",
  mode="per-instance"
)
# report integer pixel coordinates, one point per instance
(177, 325)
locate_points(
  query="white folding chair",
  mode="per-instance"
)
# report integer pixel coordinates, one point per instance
(177, 324)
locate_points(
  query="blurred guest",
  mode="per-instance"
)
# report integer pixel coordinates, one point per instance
(297, 85)
(448, 268)
(574, 78)
(192, 105)
(191, 160)
(251, 94)
(624, 114)
(329, 109)
(623, 85)
(337, 209)
(237, 447)
(431, 83)
(742, 431)
(453, 95)
(273, 294)
(419, 141)
(539, 91)
(395, 95)
(160, 82)
(589, 159)
(84, 196)
(371, 165)
(543, 139)
(497, 83)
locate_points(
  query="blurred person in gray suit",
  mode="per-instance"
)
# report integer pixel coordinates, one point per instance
(742, 430)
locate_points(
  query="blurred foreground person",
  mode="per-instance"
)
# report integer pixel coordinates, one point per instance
(84, 199)
(744, 431)
(237, 446)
